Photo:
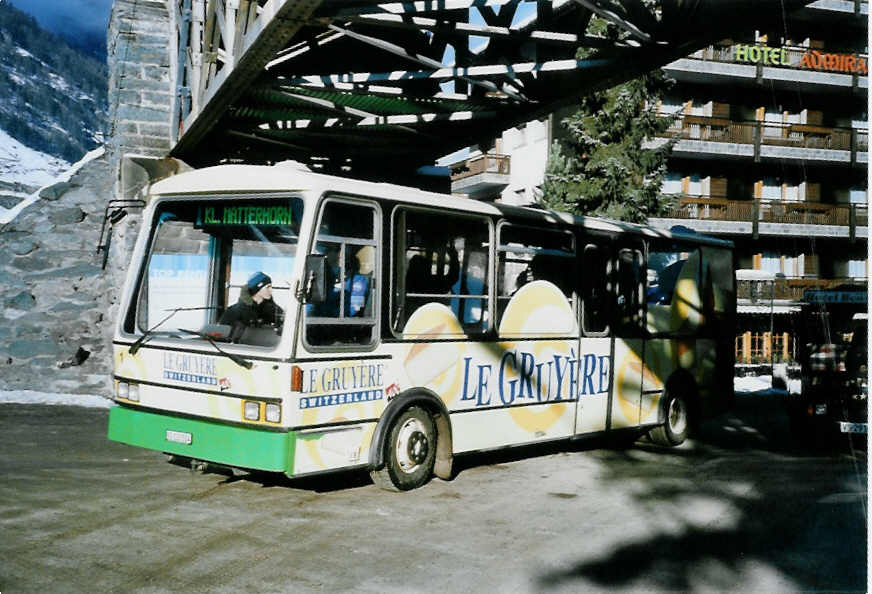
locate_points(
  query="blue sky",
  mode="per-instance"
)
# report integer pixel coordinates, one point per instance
(68, 18)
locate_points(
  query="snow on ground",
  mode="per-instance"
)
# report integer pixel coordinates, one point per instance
(7, 215)
(21, 164)
(763, 384)
(31, 397)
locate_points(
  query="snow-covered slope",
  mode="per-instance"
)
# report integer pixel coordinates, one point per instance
(52, 99)
(23, 165)
(25, 199)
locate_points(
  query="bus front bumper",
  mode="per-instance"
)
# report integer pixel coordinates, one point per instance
(230, 445)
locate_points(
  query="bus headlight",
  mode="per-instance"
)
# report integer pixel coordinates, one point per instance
(251, 411)
(128, 391)
(273, 413)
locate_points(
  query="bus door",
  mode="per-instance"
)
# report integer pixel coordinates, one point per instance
(595, 282)
(673, 317)
(629, 342)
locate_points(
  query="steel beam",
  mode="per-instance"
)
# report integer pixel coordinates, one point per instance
(276, 24)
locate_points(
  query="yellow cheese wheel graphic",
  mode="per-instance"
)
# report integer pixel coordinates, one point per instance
(539, 308)
(346, 412)
(631, 375)
(687, 302)
(127, 365)
(435, 365)
(326, 415)
(242, 381)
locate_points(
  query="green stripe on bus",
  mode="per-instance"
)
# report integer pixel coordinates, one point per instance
(243, 447)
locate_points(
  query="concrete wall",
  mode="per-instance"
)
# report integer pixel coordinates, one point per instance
(528, 147)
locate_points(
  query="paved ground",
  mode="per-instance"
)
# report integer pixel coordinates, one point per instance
(739, 509)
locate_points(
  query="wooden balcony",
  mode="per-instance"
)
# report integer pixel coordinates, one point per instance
(711, 129)
(769, 211)
(491, 163)
(788, 288)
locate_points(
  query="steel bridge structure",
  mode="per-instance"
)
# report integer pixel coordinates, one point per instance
(378, 87)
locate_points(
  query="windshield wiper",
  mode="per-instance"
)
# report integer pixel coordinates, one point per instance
(235, 358)
(151, 331)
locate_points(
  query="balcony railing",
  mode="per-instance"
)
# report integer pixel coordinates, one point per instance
(710, 129)
(498, 164)
(769, 211)
(765, 347)
(755, 291)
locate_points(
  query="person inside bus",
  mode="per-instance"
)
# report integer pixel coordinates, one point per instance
(421, 280)
(254, 308)
(357, 286)
(471, 281)
(547, 268)
(358, 282)
(329, 308)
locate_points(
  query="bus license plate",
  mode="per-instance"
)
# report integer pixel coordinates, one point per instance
(179, 437)
(853, 427)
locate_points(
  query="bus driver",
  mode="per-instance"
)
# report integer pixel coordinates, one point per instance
(255, 306)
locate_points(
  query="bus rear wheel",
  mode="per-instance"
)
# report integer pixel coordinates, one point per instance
(673, 431)
(410, 452)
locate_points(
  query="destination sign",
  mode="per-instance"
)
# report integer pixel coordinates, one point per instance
(244, 215)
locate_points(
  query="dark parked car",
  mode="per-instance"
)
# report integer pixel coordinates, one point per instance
(834, 379)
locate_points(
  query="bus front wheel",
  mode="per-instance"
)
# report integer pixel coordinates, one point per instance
(673, 431)
(410, 452)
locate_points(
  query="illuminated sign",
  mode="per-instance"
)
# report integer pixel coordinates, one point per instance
(755, 54)
(244, 215)
(815, 60)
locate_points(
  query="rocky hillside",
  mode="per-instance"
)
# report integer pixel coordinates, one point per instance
(23, 171)
(56, 300)
(57, 303)
(53, 96)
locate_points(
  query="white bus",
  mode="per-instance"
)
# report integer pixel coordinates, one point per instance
(405, 327)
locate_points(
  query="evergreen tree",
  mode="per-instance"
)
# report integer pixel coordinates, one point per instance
(599, 167)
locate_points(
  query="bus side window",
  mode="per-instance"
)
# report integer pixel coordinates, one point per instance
(441, 258)
(719, 289)
(631, 287)
(347, 237)
(527, 254)
(594, 277)
(667, 265)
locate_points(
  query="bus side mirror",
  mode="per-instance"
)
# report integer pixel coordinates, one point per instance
(315, 279)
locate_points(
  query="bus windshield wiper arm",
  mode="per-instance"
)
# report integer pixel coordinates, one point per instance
(150, 332)
(235, 358)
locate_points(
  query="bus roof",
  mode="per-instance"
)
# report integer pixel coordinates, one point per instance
(292, 176)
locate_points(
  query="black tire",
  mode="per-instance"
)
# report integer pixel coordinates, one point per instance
(410, 452)
(676, 414)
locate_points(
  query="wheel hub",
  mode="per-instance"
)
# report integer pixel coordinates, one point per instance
(412, 445)
(677, 416)
(418, 447)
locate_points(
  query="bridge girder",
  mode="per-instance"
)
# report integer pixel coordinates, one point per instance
(371, 87)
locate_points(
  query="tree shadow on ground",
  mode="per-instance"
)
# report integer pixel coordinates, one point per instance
(747, 497)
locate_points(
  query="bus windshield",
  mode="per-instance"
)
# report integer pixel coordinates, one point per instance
(208, 264)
